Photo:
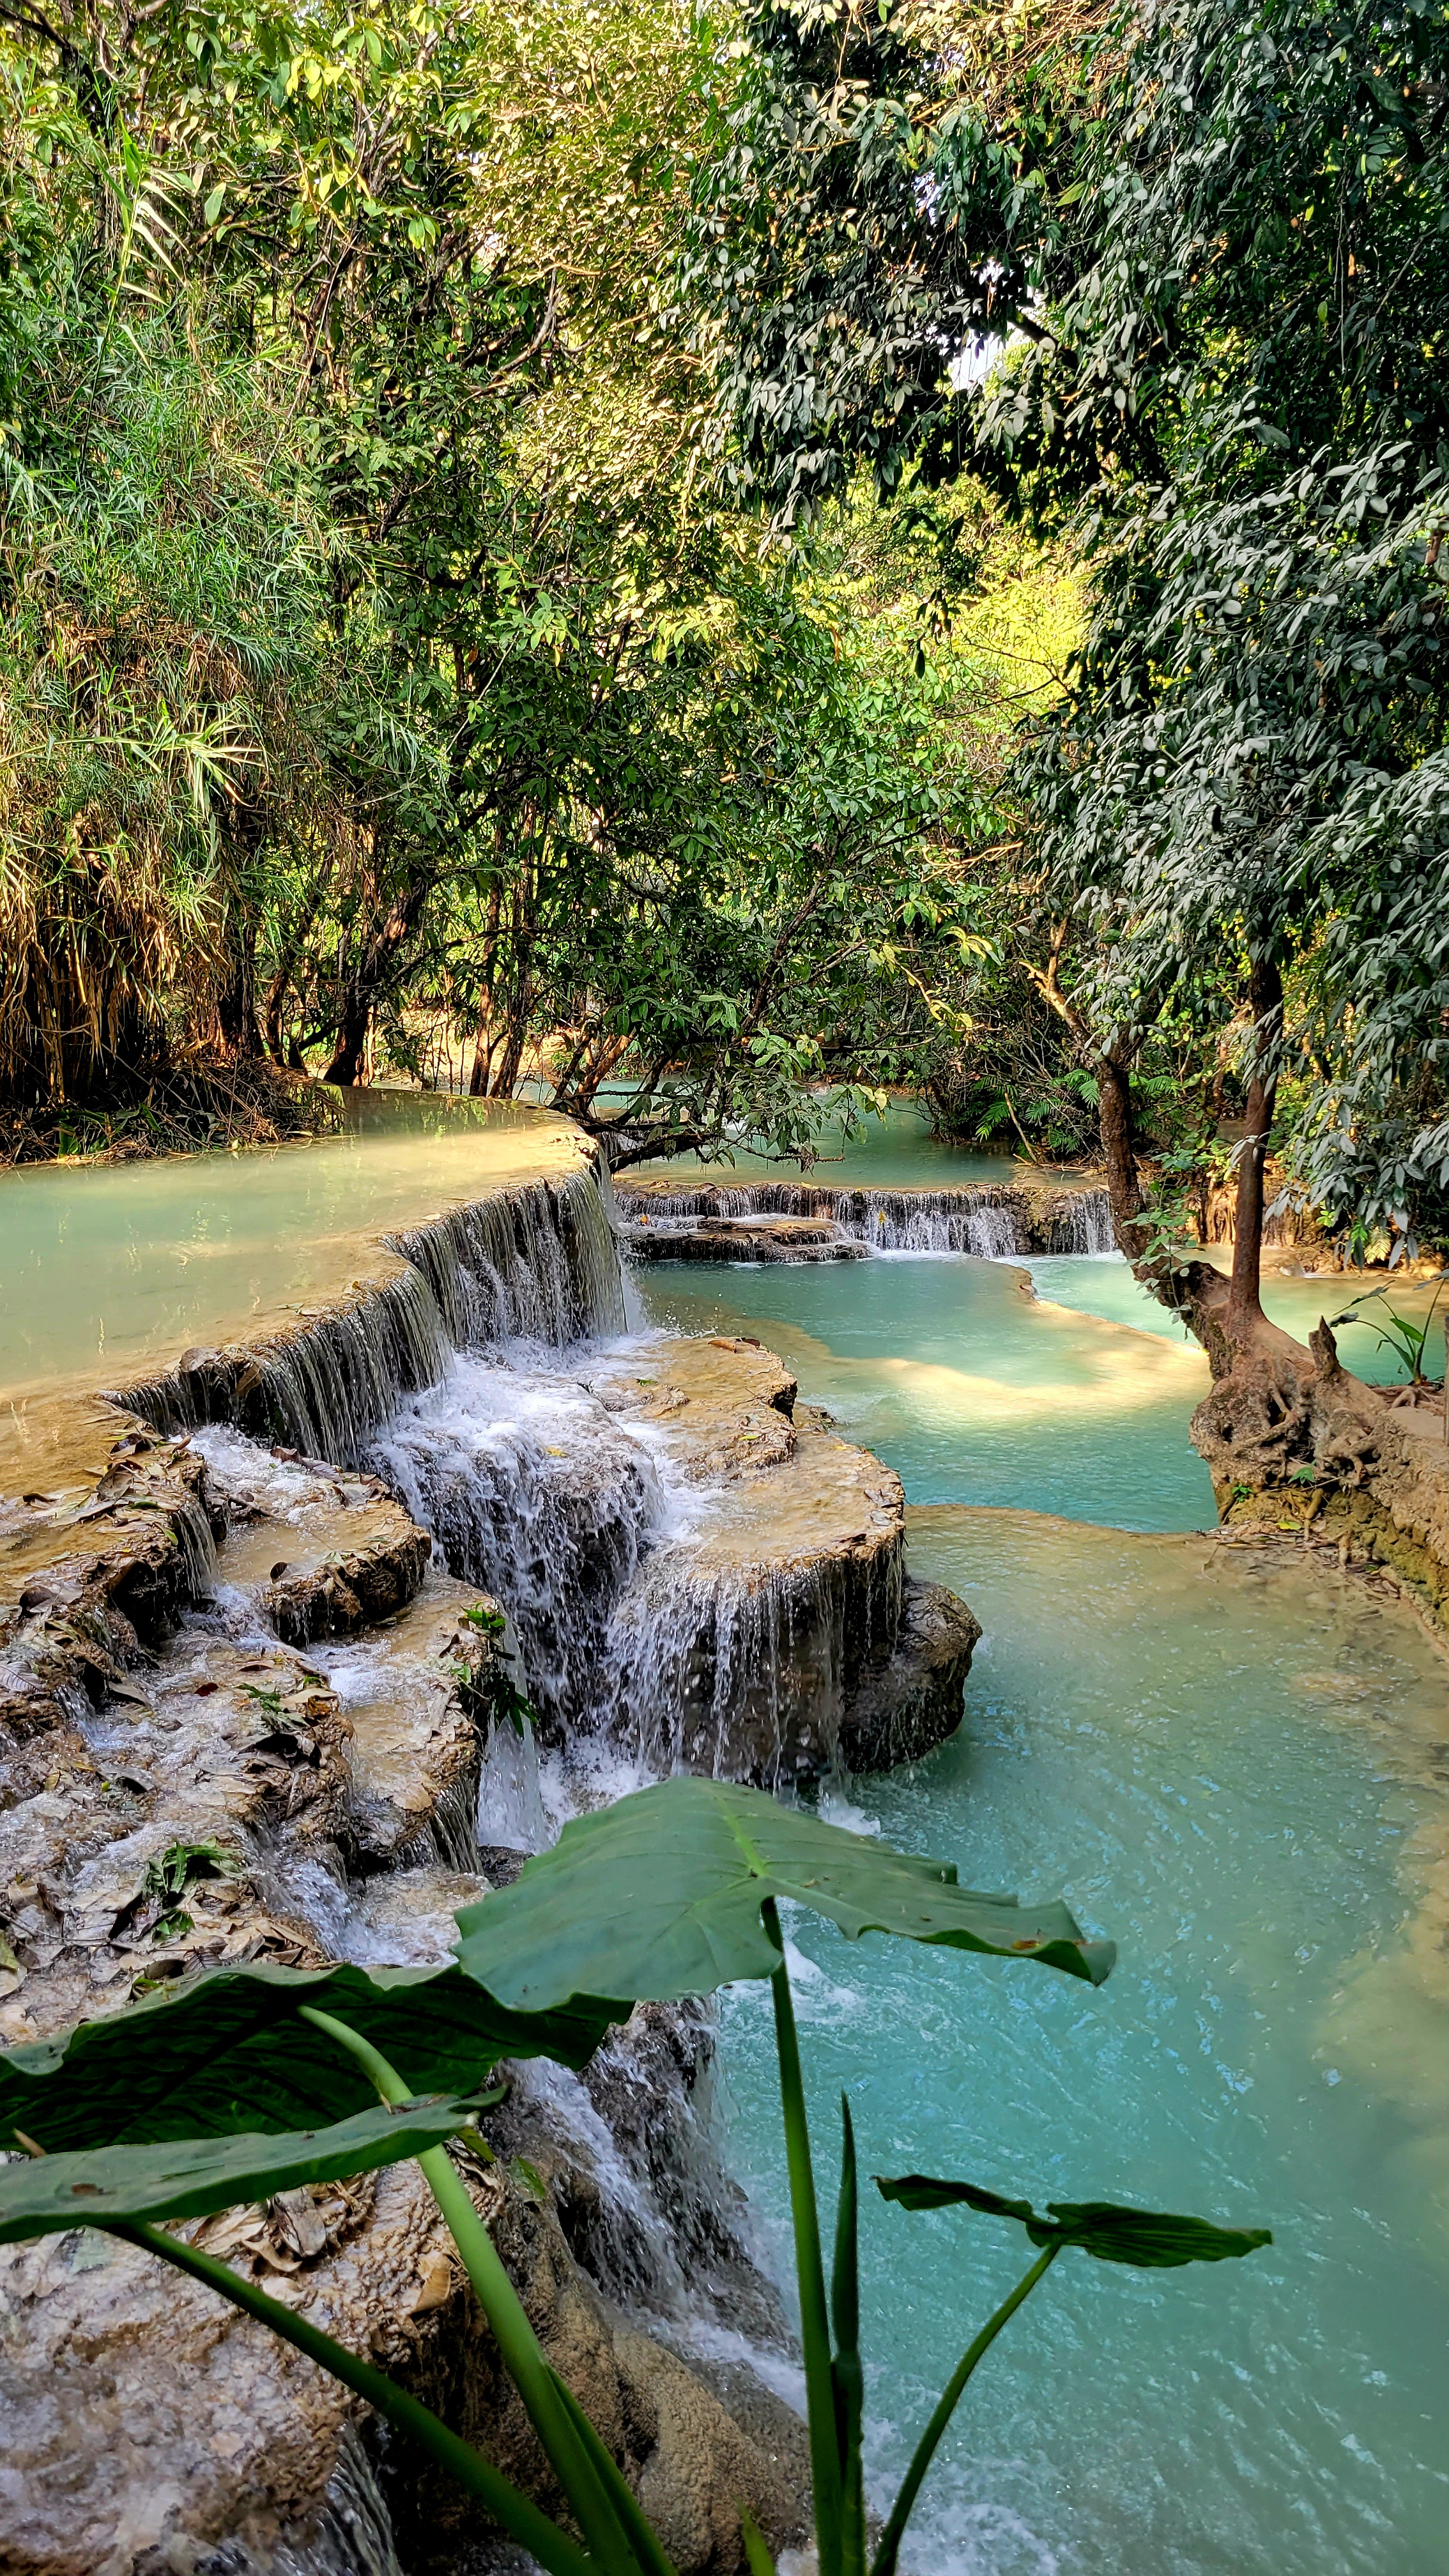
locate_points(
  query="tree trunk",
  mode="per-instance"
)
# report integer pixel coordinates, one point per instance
(1124, 1189)
(352, 1031)
(355, 1017)
(1245, 1310)
(236, 1005)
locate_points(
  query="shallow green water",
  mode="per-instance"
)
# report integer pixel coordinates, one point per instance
(972, 1389)
(894, 1152)
(1243, 1776)
(106, 1266)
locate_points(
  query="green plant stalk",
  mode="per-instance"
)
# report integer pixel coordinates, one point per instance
(846, 2367)
(809, 2269)
(523, 2357)
(921, 2458)
(521, 2519)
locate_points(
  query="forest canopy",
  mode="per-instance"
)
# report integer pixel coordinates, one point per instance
(709, 562)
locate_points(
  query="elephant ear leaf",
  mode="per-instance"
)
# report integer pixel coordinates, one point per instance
(1149, 2239)
(191, 2177)
(226, 2051)
(661, 1895)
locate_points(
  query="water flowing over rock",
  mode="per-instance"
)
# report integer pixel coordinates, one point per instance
(990, 1220)
(259, 1699)
(536, 1260)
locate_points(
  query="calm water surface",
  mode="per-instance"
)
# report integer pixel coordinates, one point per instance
(105, 1266)
(1243, 1777)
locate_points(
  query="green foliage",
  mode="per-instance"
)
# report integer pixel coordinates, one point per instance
(697, 1866)
(381, 671)
(1149, 2239)
(1205, 247)
(226, 2048)
(191, 2177)
(662, 1894)
(1406, 1335)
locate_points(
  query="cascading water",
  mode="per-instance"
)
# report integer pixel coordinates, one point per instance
(536, 1262)
(993, 1222)
(535, 1492)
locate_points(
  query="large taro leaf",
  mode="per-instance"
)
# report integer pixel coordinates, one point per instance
(1151, 2239)
(225, 2052)
(190, 2177)
(661, 1894)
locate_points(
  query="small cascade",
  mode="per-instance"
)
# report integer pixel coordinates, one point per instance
(534, 1265)
(536, 1262)
(993, 1233)
(1082, 1224)
(994, 1222)
(533, 1491)
(889, 1220)
(637, 2182)
(352, 2534)
(512, 1816)
(744, 1669)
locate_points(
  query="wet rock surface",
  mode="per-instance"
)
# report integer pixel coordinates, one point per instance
(243, 1716)
(766, 1648)
(210, 1796)
(761, 1238)
(147, 2423)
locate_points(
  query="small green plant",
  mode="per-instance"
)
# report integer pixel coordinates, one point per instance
(1402, 1334)
(134, 2120)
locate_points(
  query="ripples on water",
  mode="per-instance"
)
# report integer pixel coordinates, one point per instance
(1241, 1776)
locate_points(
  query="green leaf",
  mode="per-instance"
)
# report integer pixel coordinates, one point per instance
(190, 2177)
(226, 2052)
(1150, 2239)
(661, 1894)
(759, 2556)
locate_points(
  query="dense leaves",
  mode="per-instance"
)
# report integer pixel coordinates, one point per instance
(1207, 247)
(662, 1894)
(384, 672)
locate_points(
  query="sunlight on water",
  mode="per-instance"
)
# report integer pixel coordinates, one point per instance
(971, 1388)
(1242, 1778)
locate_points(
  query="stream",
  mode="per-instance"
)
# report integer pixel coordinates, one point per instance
(1235, 1766)
(1239, 1774)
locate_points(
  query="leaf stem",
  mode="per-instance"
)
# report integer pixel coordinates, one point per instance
(809, 2267)
(921, 2457)
(846, 2367)
(520, 2518)
(523, 2357)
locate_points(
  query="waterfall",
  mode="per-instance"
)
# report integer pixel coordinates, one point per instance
(743, 1669)
(1082, 1223)
(533, 1491)
(536, 1262)
(536, 1265)
(994, 1221)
